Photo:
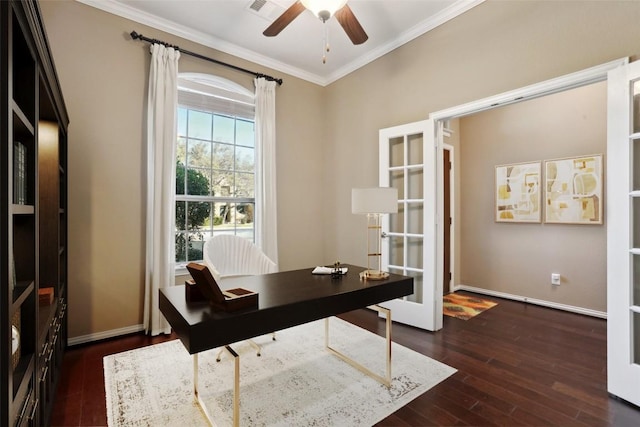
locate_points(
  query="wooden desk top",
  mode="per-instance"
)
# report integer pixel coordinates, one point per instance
(285, 299)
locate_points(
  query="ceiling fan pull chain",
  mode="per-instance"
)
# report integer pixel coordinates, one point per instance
(325, 45)
(326, 37)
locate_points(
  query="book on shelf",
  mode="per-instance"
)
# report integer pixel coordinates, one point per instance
(19, 173)
(45, 296)
(12, 266)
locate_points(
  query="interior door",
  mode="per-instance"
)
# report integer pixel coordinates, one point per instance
(623, 232)
(408, 157)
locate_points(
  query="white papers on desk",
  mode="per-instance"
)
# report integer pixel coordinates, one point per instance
(328, 270)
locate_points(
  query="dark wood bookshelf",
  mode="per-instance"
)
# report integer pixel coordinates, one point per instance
(33, 229)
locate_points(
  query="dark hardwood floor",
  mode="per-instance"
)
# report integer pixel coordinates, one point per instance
(517, 364)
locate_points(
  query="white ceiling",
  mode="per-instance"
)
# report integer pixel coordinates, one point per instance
(232, 27)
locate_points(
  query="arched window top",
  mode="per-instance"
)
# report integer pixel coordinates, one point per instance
(213, 93)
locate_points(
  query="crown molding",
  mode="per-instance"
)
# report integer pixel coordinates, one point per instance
(125, 11)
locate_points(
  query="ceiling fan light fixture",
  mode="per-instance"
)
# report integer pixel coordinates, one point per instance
(324, 9)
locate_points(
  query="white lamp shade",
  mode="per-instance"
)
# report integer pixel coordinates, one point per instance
(374, 200)
(316, 6)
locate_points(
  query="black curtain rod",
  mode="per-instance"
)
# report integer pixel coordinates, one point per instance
(136, 36)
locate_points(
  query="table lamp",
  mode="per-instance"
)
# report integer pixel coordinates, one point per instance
(374, 202)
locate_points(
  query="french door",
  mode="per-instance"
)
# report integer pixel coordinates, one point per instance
(408, 162)
(623, 233)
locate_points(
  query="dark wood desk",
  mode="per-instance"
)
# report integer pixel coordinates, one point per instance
(285, 299)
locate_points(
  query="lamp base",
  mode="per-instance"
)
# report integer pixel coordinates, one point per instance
(373, 275)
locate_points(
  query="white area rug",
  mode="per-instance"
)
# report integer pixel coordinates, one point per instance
(295, 382)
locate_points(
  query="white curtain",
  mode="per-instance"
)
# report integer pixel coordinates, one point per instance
(161, 143)
(266, 200)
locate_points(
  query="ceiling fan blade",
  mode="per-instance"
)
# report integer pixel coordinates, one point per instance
(351, 26)
(285, 19)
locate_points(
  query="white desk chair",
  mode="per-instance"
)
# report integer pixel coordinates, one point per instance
(228, 255)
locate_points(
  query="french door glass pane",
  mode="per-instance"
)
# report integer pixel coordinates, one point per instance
(636, 105)
(396, 180)
(635, 153)
(416, 179)
(396, 152)
(396, 220)
(636, 338)
(635, 299)
(636, 221)
(396, 255)
(417, 287)
(415, 145)
(415, 218)
(414, 252)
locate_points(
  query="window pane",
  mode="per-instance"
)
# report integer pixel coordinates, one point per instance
(244, 215)
(245, 133)
(181, 151)
(198, 182)
(224, 217)
(181, 247)
(195, 244)
(182, 121)
(181, 222)
(245, 185)
(199, 154)
(222, 158)
(222, 184)
(199, 125)
(180, 181)
(197, 215)
(245, 159)
(223, 129)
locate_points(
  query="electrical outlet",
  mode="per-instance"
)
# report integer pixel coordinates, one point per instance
(555, 278)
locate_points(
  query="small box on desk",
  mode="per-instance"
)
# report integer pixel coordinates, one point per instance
(45, 296)
(192, 292)
(203, 287)
(238, 299)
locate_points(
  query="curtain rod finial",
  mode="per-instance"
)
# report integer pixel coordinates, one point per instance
(134, 35)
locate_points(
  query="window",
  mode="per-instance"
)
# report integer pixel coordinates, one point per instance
(215, 163)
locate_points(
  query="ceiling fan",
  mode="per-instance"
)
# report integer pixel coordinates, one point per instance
(323, 9)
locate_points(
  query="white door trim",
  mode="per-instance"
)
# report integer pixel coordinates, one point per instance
(580, 78)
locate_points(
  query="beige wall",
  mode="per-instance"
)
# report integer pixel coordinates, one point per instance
(519, 258)
(327, 137)
(104, 80)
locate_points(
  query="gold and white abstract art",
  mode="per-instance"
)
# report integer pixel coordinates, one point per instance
(573, 190)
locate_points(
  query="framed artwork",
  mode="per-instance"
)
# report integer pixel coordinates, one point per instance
(517, 192)
(573, 190)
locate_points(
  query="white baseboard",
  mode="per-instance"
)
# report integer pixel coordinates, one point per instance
(83, 339)
(550, 304)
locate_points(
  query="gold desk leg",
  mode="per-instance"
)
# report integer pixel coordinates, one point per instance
(236, 389)
(384, 380)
